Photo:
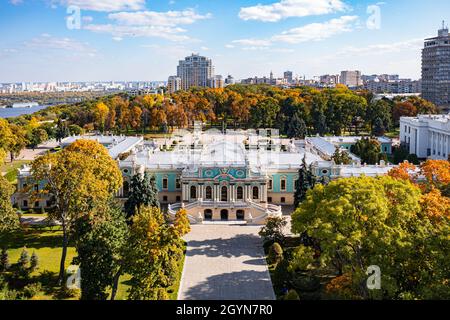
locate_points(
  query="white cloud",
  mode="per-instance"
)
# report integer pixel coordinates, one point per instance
(48, 42)
(317, 31)
(291, 8)
(309, 32)
(103, 5)
(169, 18)
(164, 25)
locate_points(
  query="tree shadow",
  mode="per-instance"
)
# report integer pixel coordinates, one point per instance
(240, 245)
(242, 285)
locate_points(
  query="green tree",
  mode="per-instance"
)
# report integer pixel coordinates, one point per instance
(306, 180)
(369, 150)
(100, 245)
(4, 260)
(9, 219)
(23, 263)
(365, 221)
(143, 192)
(297, 128)
(34, 261)
(79, 178)
(36, 137)
(341, 157)
(273, 231)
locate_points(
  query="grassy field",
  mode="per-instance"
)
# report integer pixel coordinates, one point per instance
(46, 242)
(11, 169)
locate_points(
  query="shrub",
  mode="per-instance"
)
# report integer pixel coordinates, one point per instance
(34, 262)
(4, 260)
(292, 295)
(275, 254)
(162, 294)
(23, 263)
(281, 275)
(273, 230)
(31, 290)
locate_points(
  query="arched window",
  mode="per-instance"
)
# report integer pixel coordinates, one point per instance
(255, 193)
(193, 192)
(240, 215)
(126, 189)
(224, 194)
(240, 193)
(208, 193)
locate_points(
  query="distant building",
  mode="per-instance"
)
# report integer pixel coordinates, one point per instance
(216, 82)
(195, 71)
(427, 136)
(351, 78)
(288, 76)
(174, 84)
(393, 86)
(436, 69)
(329, 80)
(229, 80)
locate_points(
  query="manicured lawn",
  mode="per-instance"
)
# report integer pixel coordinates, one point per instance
(11, 169)
(46, 242)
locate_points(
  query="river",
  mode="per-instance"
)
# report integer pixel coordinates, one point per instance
(15, 112)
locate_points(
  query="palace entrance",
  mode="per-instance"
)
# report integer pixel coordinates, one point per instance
(224, 215)
(208, 214)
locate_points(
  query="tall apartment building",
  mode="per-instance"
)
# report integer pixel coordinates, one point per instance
(195, 71)
(173, 84)
(288, 76)
(351, 78)
(436, 69)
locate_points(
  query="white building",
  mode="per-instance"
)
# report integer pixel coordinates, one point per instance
(427, 136)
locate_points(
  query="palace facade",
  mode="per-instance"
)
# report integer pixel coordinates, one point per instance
(239, 176)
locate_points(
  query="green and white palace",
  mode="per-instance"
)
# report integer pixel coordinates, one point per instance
(235, 177)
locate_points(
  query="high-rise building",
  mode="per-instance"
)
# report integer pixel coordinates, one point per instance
(174, 84)
(288, 76)
(436, 69)
(195, 71)
(351, 78)
(329, 80)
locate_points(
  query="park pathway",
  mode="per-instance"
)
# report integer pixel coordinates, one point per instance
(225, 262)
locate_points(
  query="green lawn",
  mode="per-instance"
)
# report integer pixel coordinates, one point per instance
(10, 169)
(46, 242)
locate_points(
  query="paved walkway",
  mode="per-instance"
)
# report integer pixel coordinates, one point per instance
(225, 263)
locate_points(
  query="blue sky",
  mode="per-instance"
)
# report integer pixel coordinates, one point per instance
(144, 39)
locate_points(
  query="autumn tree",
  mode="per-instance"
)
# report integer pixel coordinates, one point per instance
(154, 249)
(369, 150)
(181, 224)
(101, 113)
(341, 157)
(78, 178)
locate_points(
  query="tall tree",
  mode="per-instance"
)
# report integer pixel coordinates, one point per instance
(143, 192)
(306, 181)
(100, 244)
(155, 248)
(78, 178)
(297, 128)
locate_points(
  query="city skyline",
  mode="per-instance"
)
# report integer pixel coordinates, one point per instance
(143, 40)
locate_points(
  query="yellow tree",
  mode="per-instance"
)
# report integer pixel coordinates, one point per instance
(101, 113)
(78, 179)
(437, 172)
(181, 223)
